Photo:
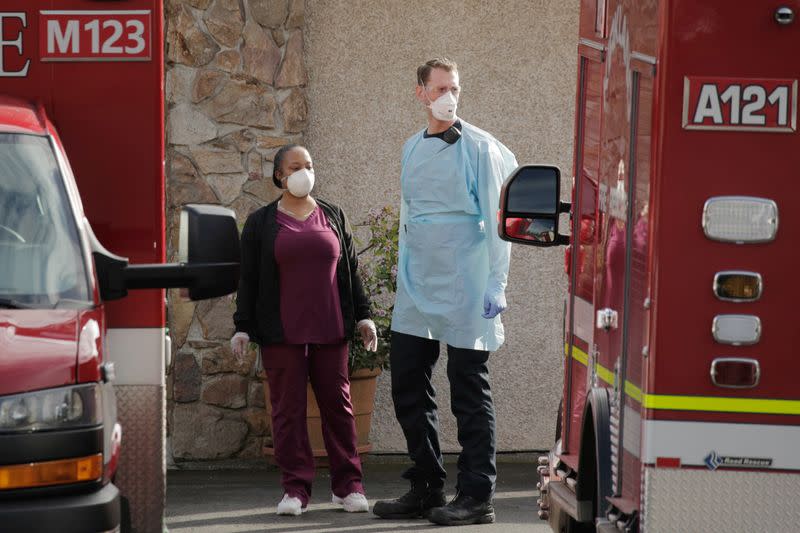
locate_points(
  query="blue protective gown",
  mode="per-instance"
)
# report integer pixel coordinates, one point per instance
(449, 251)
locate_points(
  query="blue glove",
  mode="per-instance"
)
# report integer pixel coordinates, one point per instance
(493, 304)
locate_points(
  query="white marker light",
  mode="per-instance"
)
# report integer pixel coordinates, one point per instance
(737, 330)
(740, 219)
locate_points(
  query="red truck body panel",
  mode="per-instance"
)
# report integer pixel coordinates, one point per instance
(678, 102)
(17, 117)
(38, 347)
(88, 76)
(699, 164)
(122, 197)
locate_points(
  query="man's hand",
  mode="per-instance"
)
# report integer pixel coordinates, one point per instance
(239, 344)
(369, 334)
(493, 304)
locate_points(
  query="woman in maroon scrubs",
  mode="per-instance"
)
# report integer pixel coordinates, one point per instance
(301, 299)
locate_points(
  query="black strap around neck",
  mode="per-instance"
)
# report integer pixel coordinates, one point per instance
(450, 135)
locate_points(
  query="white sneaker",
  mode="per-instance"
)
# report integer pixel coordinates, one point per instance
(291, 505)
(355, 502)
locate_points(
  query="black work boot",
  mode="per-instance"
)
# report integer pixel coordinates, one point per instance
(463, 510)
(416, 503)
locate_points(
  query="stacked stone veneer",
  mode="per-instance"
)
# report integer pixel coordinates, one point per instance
(235, 93)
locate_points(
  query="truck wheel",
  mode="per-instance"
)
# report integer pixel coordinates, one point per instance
(594, 461)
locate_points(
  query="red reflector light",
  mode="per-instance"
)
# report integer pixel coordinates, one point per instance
(668, 462)
(735, 372)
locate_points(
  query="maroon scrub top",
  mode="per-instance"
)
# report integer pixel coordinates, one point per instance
(306, 252)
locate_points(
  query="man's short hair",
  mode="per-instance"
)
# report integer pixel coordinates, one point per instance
(424, 72)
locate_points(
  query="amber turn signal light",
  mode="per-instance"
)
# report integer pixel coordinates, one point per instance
(738, 286)
(59, 472)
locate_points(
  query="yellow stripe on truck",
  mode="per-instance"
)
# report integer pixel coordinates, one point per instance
(726, 405)
(633, 391)
(691, 403)
(577, 354)
(604, 374)
(583, 358)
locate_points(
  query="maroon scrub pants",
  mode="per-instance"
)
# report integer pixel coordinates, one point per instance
(289, 368)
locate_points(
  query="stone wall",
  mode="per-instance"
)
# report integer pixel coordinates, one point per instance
(235, 92)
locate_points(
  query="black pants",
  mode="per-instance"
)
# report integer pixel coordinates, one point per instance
(412, 362)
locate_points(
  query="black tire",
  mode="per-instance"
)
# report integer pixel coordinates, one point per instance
(559, 419)
(594, 476)
(563, 523)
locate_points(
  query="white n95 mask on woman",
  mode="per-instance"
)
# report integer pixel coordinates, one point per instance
(300, 183)
(444, 107)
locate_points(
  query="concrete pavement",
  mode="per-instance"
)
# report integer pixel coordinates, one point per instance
(244, 500)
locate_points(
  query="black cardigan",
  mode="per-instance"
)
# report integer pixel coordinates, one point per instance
(258, 298)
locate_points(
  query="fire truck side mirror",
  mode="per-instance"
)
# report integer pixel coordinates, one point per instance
(208, 254)
(530, 205)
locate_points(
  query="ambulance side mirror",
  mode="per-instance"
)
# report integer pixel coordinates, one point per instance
(208, 255)
(530, 204)
(209, 246)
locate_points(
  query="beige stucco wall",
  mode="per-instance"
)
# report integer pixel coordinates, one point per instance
(517, 63)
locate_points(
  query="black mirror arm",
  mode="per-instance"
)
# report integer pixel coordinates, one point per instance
(110, 268)
(172, 275)
(152, 276)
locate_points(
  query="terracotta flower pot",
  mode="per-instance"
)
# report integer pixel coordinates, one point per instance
(363, 384)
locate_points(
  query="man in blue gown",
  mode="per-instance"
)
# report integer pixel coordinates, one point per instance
(452, 274)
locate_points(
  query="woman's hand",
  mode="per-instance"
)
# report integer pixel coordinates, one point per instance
(369, 334)
(239, 343)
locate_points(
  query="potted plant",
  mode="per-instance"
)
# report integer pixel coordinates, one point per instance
(378, 271)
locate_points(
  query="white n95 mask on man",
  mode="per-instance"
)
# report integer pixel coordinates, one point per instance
(300, 183)
(444, 107)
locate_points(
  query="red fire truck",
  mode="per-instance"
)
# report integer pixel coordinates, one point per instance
(82, 139)
(681, 408)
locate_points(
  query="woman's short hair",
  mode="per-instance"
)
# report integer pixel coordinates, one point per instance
(277, 161)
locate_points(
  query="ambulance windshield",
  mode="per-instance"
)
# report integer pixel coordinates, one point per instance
(41, 263)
